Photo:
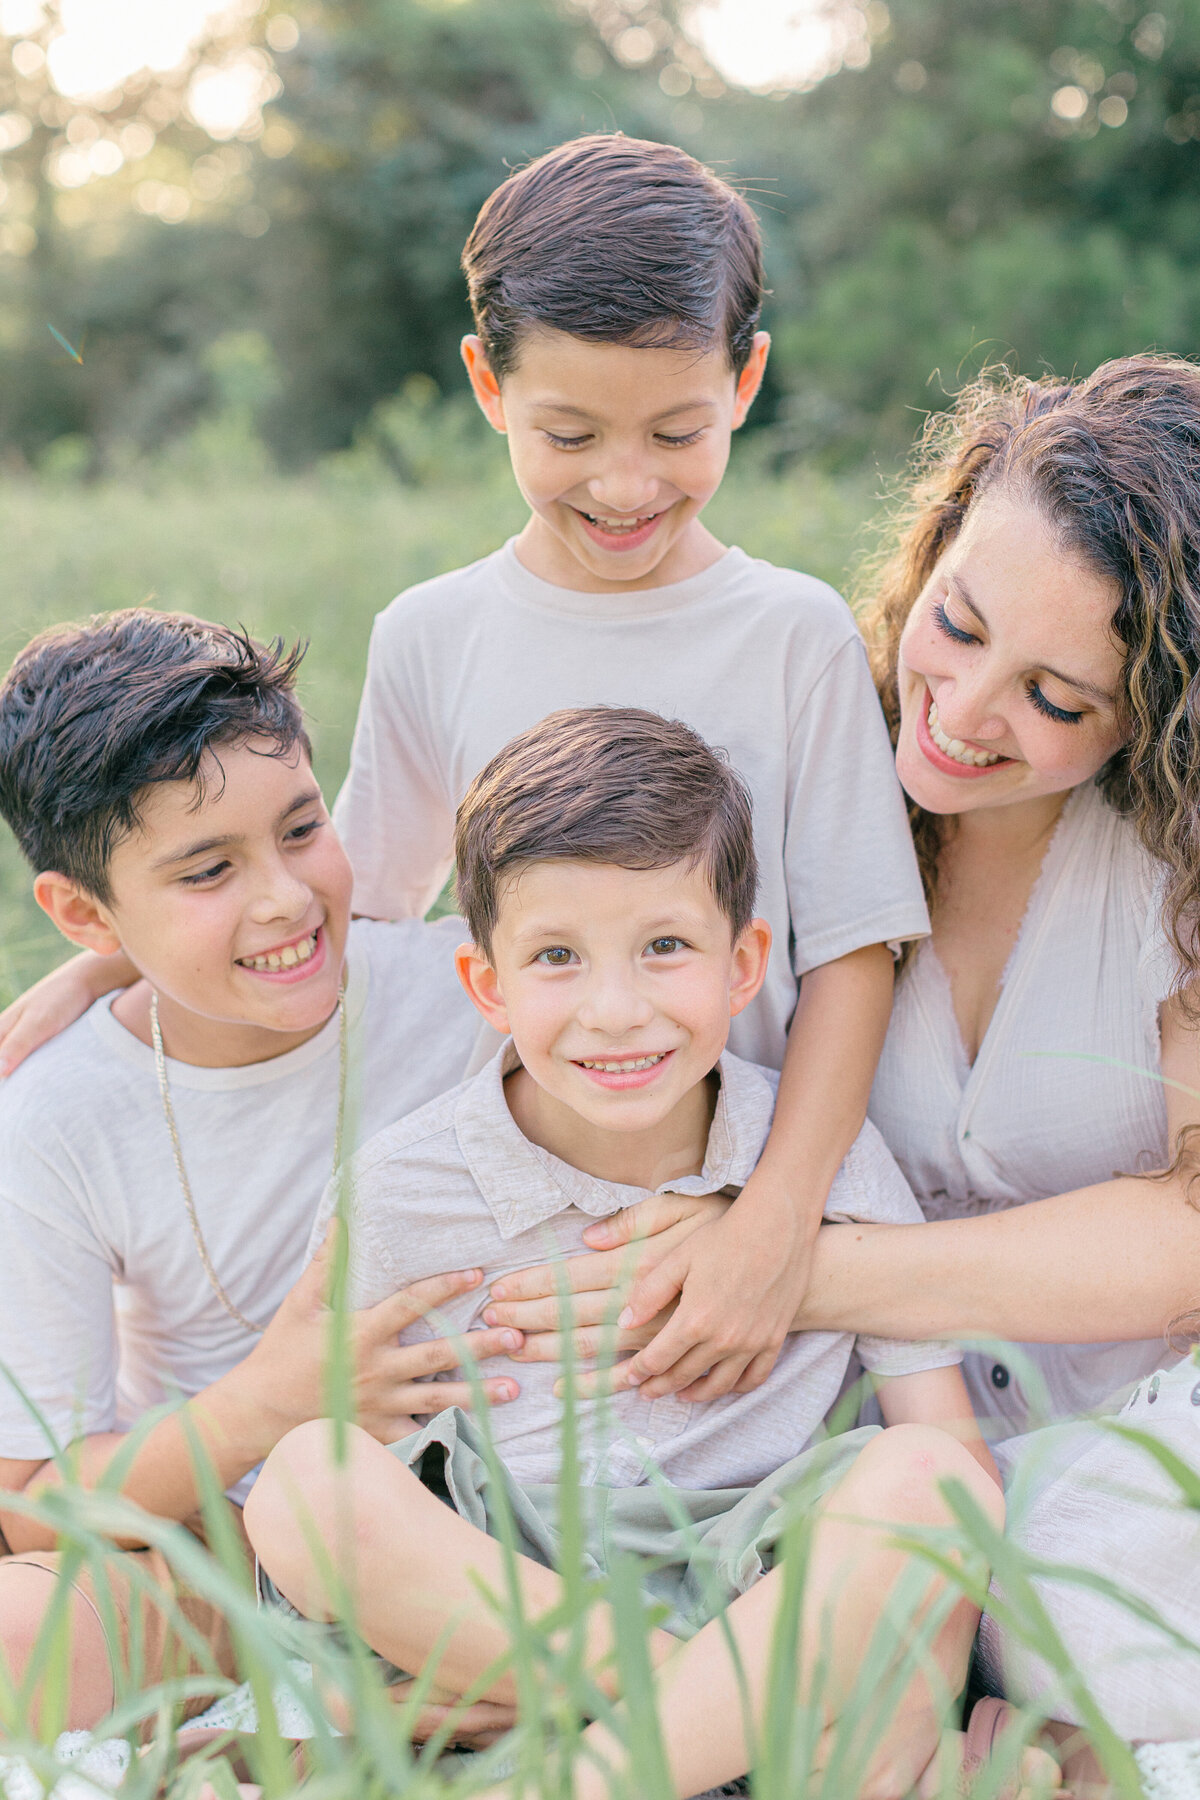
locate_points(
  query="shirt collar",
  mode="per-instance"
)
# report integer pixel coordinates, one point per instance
(525, 1185)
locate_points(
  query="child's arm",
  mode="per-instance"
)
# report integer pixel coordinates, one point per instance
(937, 1397)
(740, 1278)
(56, 1001)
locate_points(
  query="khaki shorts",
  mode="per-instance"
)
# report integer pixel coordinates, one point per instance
(141, 1593)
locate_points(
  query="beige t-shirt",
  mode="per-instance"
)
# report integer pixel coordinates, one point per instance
(764, 662)
(457, 1183)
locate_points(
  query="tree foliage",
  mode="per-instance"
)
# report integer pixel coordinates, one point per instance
(995, 178)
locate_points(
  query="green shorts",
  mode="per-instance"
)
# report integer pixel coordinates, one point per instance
(699, 1549)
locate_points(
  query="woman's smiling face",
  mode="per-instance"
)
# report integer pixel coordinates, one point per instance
(1009, 671)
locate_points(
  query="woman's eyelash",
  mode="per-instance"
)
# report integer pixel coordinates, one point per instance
(1048, 709)
(944, 623)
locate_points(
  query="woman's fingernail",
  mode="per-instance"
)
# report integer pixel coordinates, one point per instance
(490, 1316)
(505, 1390)
(512, 1340)
(625, 1320)
(634, 1379)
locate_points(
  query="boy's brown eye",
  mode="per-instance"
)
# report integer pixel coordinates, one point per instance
(556, 957)
(665, 946)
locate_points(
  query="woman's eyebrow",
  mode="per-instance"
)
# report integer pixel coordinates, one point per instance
(1090, 688)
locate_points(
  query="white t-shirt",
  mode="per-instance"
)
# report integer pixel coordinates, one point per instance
(1064, 1091)
(763, 662)
(90, 1200)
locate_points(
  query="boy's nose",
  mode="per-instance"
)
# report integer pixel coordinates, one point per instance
(625, 491)
(281, 896)
(613, 1007)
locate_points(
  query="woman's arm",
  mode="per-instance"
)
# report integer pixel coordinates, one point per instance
(56, 1001)
(1118, 1260)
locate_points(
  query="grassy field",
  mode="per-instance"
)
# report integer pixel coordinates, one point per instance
(314, 558)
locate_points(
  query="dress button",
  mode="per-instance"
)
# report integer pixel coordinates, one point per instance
(1000, 1376)
(1196, 1394)
(1152, 1393)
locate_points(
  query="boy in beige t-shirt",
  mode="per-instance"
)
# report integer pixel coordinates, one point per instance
(616, 287)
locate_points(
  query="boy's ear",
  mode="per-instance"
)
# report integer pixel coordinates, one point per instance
(749, 969)
(484, 384)
(482, 984)
(78, 914)
(750, 379)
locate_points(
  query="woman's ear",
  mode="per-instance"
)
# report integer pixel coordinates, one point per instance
(749, 969)
(750, 379)
(484, 385)
(482, 984)
(79, 915)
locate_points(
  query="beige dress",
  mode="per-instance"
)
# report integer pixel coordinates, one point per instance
(1064, 1092)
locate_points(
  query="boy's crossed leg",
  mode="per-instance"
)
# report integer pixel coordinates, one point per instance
(414, 1572)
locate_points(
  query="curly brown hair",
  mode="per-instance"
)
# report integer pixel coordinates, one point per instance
(1113, 461)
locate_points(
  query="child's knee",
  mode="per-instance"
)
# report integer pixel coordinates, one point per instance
(906, 1469)
(27, 1591)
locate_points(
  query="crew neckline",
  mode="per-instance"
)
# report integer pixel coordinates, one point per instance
(121, 1042)
(643, 603)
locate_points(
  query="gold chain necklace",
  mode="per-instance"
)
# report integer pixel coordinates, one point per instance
(185, 1186)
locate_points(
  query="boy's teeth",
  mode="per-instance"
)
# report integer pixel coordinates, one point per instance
(627, 1067)
(287, 958)
(955, 748)
(618, 525)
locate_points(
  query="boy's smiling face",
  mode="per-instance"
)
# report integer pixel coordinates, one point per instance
(233, 903)
(618, 986)
(617, 450)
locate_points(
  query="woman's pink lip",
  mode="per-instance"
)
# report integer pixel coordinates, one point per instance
(631, 540)
(636, 1078)
(946, 764)
(298, 971)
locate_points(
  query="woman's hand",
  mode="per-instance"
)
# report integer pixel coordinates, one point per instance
(579, 1322)
(286, 1370)
(56, 1001)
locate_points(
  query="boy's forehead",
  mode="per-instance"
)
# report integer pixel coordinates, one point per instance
(579, 892)
(239, 788)
(557, 372)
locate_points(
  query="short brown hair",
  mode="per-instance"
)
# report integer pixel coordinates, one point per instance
(91, 716)
(605, 784)
(619, 241)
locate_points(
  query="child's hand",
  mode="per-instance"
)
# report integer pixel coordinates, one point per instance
(285, 1373)
(56, 1001)
(739, 1281)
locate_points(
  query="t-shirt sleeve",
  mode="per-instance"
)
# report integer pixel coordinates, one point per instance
(851, 872)
(870, 1189)
(58, 1357)
(394, 813)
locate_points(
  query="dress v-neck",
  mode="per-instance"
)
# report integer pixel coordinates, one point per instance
(1037, 909)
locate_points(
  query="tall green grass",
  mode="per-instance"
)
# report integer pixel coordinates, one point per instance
(558, 1695)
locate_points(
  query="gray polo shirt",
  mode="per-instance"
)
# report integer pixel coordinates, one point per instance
(456, 1185)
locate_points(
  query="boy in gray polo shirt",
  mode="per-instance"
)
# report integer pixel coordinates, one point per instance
(606, 870)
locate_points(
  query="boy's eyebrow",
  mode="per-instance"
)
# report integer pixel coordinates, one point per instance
(1073, 681)
(564, 408)
(204, 846)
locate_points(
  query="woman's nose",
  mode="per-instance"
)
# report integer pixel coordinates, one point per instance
(967, 710)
